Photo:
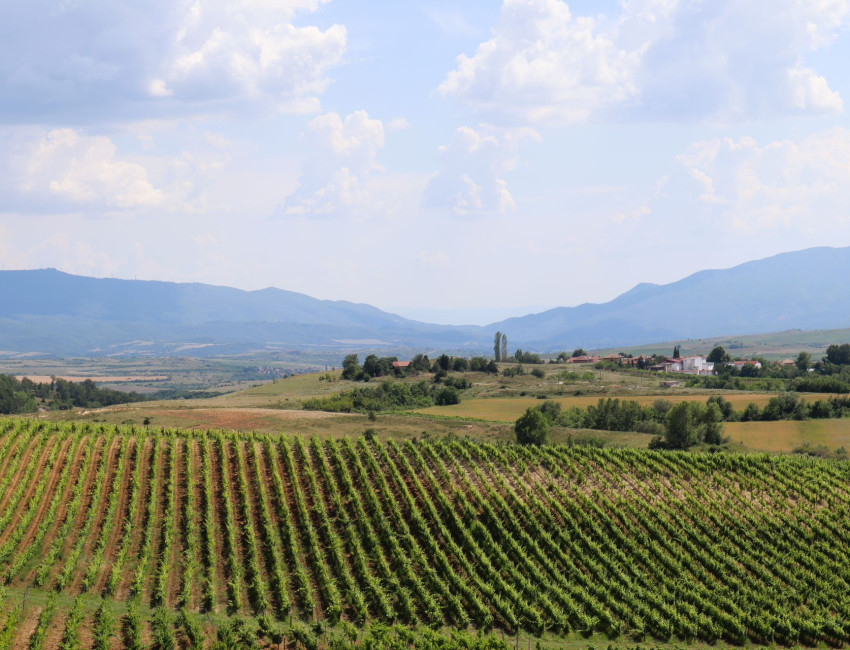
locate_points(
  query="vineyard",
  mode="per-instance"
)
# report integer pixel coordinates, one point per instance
(177, 533)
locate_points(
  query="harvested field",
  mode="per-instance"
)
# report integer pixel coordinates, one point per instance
(509, 409)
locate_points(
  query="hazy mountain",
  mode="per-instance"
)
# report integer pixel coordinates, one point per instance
(801, 290)
(51, 312)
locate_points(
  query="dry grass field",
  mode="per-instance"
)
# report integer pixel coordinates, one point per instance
(509, 409)
(786, 435)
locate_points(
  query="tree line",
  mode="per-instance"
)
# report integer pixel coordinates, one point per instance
(26, 396)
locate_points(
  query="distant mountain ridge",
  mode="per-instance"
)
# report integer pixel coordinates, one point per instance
(54, 313)
(799, 290)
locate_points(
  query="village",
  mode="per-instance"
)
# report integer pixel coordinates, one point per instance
(690, 365)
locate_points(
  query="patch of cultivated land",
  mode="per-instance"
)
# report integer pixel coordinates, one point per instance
(616, 545)
(509, 409)
(787, 435)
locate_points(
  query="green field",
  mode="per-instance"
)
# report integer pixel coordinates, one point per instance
(572, 545)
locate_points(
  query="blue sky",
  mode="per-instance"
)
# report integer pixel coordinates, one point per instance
(453, 162)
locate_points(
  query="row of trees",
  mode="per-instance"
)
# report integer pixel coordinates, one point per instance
(680, 426)
(24, 396)
(374, 366)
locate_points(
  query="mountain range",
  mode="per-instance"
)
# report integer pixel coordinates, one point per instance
(49, 312)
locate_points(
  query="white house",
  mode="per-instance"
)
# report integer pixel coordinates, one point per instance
(697, 365)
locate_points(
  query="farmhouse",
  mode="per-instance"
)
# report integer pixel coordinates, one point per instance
(401, 364)
(748, 362)
(696, 365)
(583, 359)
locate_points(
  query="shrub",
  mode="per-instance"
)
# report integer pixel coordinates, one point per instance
(447, 395)
(532, 428)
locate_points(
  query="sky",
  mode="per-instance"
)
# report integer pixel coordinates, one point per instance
(450, 162)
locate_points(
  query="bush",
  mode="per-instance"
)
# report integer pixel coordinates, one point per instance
(532, 428)
(538, 372)
(446, 396)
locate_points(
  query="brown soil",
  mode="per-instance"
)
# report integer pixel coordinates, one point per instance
(254, 509)
(26, 457)
(144, 457)
(49, 493)
(268, 487)
(26, 626)
(222, 575)
(79, 516)
(238, 521)
(156, 525)
(102, 379)
(300, 534)
(197, 475)
(178, 540)
(94, 532)
(38, 473)
(117, 532)
(7, 457)
(57, 627)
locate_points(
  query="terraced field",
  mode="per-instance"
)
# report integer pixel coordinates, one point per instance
(142, 525)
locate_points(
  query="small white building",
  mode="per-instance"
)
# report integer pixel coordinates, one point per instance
(696, 365)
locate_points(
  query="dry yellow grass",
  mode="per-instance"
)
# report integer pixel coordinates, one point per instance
(509, 409)
(785, 435)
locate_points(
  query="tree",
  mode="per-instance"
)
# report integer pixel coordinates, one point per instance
(838, 354)
(579, 352)
(680, 431)
(504, 347)
(532, 428)
(676, 352)
(497, 346)
(718, 355)
(350, 367)
(372, 366)
(711, 424)
(802, 361)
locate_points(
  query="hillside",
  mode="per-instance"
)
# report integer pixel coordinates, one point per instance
(52, 313)
(576, 541)
(798, 290)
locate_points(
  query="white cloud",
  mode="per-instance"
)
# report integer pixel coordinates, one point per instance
(801, 186)
(398, 124)
(162, 58)
(472, 168)
(67, 167)
(343, 154)
(724, 60)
